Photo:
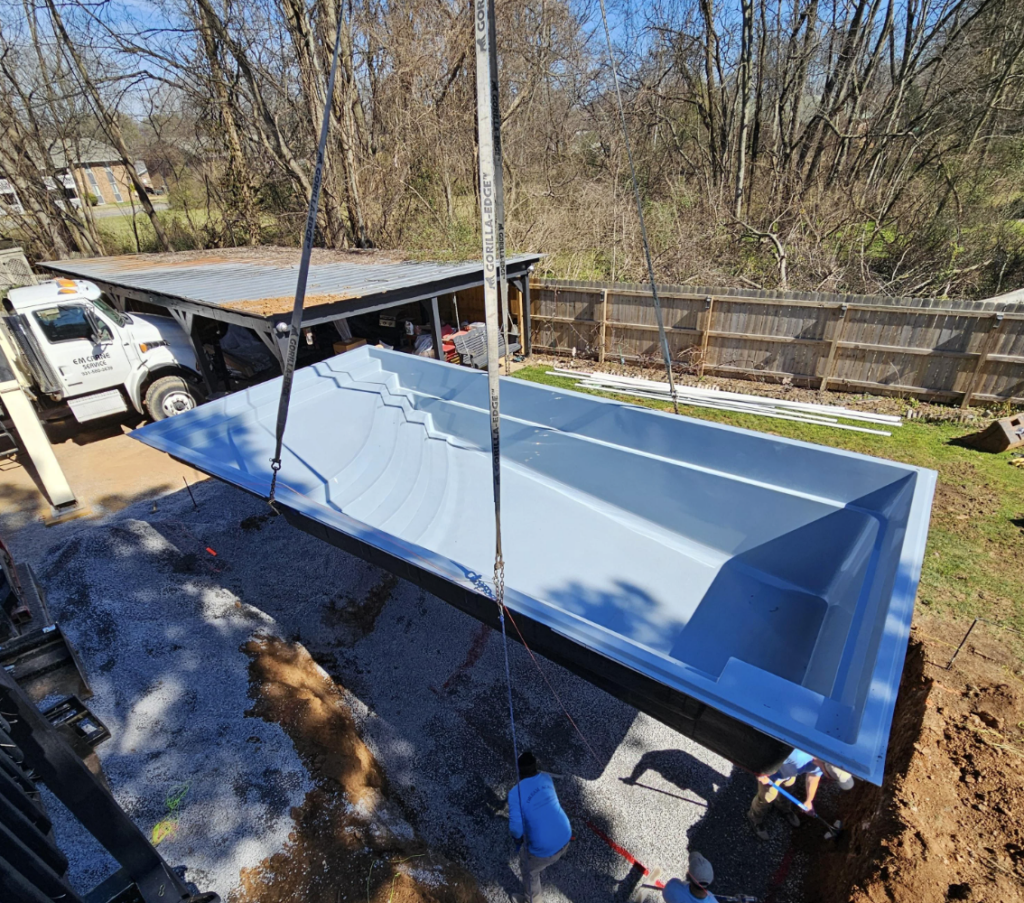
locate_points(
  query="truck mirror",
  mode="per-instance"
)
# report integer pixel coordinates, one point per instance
(100, 334)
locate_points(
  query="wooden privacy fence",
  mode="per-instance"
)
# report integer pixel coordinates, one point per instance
(933, 348)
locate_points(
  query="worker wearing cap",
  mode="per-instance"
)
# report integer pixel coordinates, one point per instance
(699, 875)
(798, 763)
(534, 812)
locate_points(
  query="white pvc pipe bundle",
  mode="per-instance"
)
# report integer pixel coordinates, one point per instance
(714, 399)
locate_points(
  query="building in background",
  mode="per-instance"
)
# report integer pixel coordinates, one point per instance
(93, 168)
(10, 203)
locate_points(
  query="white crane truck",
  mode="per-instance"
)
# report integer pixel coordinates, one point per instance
(70, 345)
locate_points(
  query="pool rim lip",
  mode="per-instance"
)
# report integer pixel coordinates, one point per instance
(864, 758)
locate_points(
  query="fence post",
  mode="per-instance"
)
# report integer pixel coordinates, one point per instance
(709, 313)
(837, 336)
(604, 325)
(553, 324)
(524, 303)
(990, 343)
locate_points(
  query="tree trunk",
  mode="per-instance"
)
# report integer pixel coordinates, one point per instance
(17, 167)
(348, 119)
(269, 129)
(746, 52)
(95, 245)
(713, 116)
(24, 162)
(312, 70)
(241, 193)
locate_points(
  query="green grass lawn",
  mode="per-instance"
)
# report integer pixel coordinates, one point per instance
(973, 564)
(119, 234)
(186, 230)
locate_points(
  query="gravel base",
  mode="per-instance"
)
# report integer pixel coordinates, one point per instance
(159, 621)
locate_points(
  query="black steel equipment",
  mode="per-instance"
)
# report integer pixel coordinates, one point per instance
(32, 867)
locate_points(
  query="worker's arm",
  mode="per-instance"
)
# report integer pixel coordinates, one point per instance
(813, 780)
(515, 816)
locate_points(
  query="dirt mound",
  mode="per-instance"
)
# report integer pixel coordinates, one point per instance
(945, 824)
(350, 842)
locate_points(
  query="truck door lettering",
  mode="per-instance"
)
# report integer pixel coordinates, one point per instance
(92, 361)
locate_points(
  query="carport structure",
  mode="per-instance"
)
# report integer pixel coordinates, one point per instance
(255, 288)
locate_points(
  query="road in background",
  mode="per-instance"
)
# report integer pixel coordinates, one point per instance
(107, 210)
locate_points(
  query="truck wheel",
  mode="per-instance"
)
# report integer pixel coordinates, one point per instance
(171, 395)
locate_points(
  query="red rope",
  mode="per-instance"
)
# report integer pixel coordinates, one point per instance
(554, 693)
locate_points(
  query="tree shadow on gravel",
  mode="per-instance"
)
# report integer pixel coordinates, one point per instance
(446, 751)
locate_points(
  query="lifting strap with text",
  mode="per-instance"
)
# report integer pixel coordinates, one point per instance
(488, 118)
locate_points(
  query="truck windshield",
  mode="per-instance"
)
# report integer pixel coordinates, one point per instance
(108, 309)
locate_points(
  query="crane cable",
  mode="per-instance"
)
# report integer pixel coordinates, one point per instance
(640, 214)
(295, 327)
(492, 216)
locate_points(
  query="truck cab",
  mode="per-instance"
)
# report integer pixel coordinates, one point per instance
(78, 348)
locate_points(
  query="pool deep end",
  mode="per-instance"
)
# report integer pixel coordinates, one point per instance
(736, 586)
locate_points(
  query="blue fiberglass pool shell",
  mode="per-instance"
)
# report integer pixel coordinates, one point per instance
(677, 563)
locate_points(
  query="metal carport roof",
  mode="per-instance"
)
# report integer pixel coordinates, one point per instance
(252, 285)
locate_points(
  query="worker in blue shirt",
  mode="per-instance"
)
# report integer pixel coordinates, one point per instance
(699, 875)
(534, 812)
(798, 763)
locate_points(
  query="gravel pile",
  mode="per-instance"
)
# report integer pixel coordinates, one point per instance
(159, 637)
(159, 621)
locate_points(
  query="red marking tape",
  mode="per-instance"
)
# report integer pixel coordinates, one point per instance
(622, 851)
(780, 875)
(476, 650)
(208, 549)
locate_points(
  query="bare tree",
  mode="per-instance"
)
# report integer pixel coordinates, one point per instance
(864, 145)
(108, 119)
